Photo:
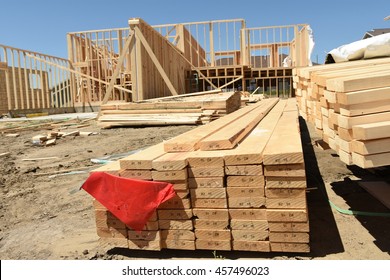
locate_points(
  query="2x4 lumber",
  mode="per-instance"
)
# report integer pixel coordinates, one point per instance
(211, 214)
(216, 234)
(205, 244)
(175, 224)
(189, 141)
(371, 161)
(250, 150)
(363, 96)
(143, 159)
(248, 214)
(206, 182)
(260, 225)
(365, 108)
(177, 234)
(371, 131)
(247, 202)
(214, 91)
(170, 161)
(211, 224)
(230, 135)
(289, 247)
(256, 246)
(368, 147)
(178, 244)
(350, 122)
(244, 170)
(289, 227)
(285, 170)
(206, 158)
(150, 112)
(249, 235)
(359, 82)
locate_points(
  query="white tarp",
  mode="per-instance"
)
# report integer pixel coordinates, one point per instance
(377, 46)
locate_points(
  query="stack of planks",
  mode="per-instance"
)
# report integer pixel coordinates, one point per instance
(198, 109)
(349, 105)
(240, 184)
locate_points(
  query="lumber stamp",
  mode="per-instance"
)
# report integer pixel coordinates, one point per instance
(178, 244)
(220, 245)
(175, 224)
(169, 175)
(289, 247)
(286, 203)
(285, 170)
(206, 159)
(136, 174)
(211, 214)
(255, 246)
(209, 234)
(286, 182)
(211, 224)
(201, 172)
(285, 193)
(250, 235)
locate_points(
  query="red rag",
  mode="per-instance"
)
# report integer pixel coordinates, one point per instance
(131, 201)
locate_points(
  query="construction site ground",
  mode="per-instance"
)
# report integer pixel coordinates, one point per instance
(44, 214)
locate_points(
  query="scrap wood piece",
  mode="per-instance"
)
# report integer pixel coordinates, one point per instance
(4, 154)
(231, 134)
(378, 189)
(42, 158)
(12, 135)
(190, 141)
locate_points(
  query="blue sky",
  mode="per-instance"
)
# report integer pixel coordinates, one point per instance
(41, 25)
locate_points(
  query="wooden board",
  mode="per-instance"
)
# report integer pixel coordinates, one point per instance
(220, 245)
(206, 182)
(259, 225)
(285, 193)
(255, 246)
(281, 215)
(143, 235)
(183, 214)
(250, 150)
(178, 244)
(246, 202)
(211, 214)
(228, 136)
(290, 247)
(365, 108)
(244, 170)
(152, 245)
(371, 131)
(142, 159)
(245, 192)
(289, 227)
(211, 224)
(219, 203)
(363, 96)
(209, 234)
(176, 203)
(285, 170)
(286, 182)
(169, 175)
(189, 141)
(176, 224)
(250, 235)
(286, 203)
(376, 146)
(200, 193)
(350, 122)
(136, 174)
(177, 234)
(378, 189)
(371, 161)
(170, 161)
(201, 172)
(247, 214)
(206, 158)
(245, 181)
(287, 237)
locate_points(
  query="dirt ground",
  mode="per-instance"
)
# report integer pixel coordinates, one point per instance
(47, 216)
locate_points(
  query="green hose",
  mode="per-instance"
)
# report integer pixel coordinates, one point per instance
(358, 213)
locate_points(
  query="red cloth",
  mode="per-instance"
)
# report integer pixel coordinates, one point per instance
(131, 201)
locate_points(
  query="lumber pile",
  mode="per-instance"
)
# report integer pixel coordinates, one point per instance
(196, 109)
(240, 185)
(349, 105)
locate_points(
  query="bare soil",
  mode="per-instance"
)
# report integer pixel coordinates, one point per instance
(48, 217)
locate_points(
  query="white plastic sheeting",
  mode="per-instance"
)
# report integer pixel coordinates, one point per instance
(377, 46)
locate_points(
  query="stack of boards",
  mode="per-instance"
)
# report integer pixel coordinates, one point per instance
(349, 103)
(187, 110)
(240, 183)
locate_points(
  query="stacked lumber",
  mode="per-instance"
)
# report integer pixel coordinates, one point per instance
(176, 110)
(349, 105)
(240, 184)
